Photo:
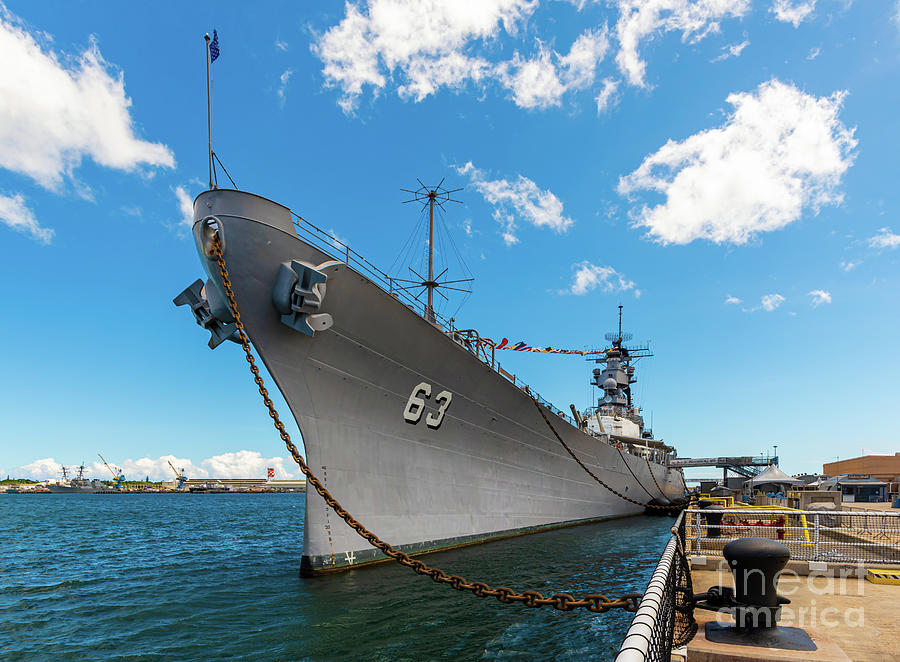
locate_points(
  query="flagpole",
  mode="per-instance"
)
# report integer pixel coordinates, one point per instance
(209, 115)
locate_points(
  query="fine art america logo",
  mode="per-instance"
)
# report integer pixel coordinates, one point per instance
(812, 596)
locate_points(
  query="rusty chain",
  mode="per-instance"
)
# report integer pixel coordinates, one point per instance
(591, 473)
(594, 602)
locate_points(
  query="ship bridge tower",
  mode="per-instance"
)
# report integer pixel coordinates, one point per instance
(616, 378)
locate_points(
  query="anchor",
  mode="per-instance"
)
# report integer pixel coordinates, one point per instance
(210, 311)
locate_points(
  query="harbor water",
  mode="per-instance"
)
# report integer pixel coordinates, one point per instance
(215, 576)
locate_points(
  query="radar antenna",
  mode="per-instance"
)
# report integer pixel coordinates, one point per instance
(429, 196)
(618, 337)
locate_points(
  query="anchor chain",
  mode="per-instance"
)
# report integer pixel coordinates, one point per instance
(627, 466)
(654, 477)
(594, 602)
(591, 473)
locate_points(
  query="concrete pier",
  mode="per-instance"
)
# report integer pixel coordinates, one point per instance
(848, 617)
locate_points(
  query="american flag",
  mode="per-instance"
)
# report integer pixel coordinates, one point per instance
(214, 47)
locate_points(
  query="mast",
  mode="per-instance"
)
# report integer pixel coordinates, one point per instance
(431, 196)
(620, 322)
(209, 116)
(430, 284)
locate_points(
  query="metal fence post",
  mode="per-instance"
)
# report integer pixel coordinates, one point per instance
(697, 529)
(816, 538)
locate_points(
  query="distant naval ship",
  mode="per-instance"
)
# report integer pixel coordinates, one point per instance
(77, 485)
(410, 423)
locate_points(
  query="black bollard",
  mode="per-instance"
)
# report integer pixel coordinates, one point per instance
(713, 520)
(755, 564)
(755, 603)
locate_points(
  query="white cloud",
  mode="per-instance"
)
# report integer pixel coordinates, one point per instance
(848, 265)
(896, 17)
(781, 150)
(57, 110)
(16, 214)
(534, 82)
(427, 75)
(155, 469)
(421, 46)
(885, 239)
(818, 297)
(580, 65)
(422, 40)
(813, 53)
(39, 469)
(282, 87)
(607, 96)
(541, 81)
(247, 464)
(281, 45)
(185, 206)
(793, 11)
(240, 464)
(590, 277)
(520, 199)
(732, 300)
(733, 50)
(642, 19)
(770, 302)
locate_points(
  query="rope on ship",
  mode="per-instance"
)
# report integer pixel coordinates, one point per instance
(594, 602)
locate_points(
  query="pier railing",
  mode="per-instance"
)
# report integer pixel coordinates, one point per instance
(664, 618)
(811, 535)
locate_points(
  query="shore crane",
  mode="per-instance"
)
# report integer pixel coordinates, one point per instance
(179, 476)
(117, 474)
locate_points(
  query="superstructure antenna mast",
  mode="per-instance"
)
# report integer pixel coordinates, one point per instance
(429, 197)
(620, 322)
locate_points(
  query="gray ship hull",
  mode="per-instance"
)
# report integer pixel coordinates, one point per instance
(490, 468)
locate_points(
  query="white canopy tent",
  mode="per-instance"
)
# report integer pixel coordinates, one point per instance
(772, 475)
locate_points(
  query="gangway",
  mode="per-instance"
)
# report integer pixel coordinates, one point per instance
(743, 465)
(117, 474)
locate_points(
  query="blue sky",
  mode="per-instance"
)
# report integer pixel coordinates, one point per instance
(725, 169)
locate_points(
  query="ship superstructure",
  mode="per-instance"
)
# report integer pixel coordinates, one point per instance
(616, 416)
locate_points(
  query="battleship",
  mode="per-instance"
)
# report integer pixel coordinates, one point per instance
(409, 422)
(77, 485)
